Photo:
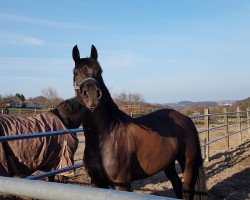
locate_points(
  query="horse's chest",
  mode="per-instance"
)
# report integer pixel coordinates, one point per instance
(92, 156)
(111, 159)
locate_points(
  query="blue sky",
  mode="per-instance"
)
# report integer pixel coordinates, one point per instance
(166, 50)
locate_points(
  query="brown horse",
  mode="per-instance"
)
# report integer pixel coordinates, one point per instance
(120, 149)
(24, 157)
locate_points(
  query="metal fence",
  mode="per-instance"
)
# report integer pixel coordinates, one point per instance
(45, 134)
(58, 191)
(51, 191)
(24, 112)
(237, 118)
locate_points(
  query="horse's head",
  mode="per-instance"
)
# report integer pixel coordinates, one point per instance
(87, 78)
(70, 112)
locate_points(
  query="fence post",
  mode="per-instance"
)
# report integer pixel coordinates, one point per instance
(225, 110)
(248, 119)
(206, 124)
(239, 123)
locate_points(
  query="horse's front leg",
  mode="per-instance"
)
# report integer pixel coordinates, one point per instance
(122, 187)
(51, 178)
(96, 182)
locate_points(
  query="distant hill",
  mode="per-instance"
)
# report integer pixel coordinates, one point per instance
(187, 107)
(243, 104)
(190, 104)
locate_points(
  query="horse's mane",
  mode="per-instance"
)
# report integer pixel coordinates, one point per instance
(112, 107)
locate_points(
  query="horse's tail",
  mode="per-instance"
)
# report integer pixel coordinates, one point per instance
(200, 189)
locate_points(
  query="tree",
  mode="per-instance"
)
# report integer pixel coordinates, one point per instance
(122, 97)
(130, 98)
(52, 98)
(6, 100)
(2, 104)
(20, 96)
(41, 100)
(135, 98)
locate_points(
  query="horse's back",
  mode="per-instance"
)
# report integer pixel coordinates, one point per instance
(171, 123)
(167, 122)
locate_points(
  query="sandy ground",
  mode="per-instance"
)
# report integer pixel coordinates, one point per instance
(228, 172)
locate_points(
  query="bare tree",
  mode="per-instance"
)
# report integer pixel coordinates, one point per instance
(38, 100)
(130, 98)
(6, 100)
(122, 97)
(52, 98)
(135, 98)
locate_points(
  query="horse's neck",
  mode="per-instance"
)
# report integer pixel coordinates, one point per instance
(106, 116)
(69, 119)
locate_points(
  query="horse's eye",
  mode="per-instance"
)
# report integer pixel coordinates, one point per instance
(75, 73)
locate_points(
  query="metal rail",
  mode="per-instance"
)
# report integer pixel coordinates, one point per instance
(54, 172)
(216, 114)
(38, 134)
(219, 138)
(44, 134)
(221, 126)
(59, 191)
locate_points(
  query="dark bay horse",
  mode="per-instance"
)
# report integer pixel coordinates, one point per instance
(120, 149)
(23, 157)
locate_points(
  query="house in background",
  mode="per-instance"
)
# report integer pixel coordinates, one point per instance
(30, 104)
(14, 102)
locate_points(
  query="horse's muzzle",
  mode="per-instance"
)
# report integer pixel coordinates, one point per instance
(90, 94)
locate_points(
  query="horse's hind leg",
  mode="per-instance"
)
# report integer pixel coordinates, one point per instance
(174, 178)
(188, 184)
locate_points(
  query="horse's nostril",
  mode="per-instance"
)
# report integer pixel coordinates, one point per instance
(99, 94)
(85, 93)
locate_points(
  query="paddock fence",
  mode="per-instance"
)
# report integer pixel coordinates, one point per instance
(218, 125)
(223, 120)
(24, 112)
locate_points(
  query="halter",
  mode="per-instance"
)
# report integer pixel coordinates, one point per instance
(77, 87)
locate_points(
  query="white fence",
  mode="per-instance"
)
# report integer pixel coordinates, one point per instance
(58, 191)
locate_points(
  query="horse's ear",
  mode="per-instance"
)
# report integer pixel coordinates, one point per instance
(94, 54)
(76, 54)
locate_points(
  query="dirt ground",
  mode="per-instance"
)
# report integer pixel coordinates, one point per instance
(228, 173)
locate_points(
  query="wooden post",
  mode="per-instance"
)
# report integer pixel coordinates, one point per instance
(248, 119)
(206, 126)
(226, 127)
(239, 123)
(204, 141)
